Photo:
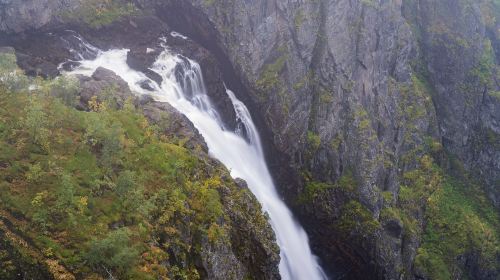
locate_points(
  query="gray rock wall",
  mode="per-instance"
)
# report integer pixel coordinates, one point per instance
(358, 86)
(341, 87)
(21, 15)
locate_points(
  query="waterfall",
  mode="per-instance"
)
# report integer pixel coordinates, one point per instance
(241, 151)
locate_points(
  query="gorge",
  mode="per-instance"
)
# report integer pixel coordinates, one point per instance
(376, 123)
(183, 87)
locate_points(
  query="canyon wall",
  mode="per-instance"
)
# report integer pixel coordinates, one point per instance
(367, 109)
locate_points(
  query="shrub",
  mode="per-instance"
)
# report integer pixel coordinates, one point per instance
(269, 78)
(312, 190)
(10, 75)
(357, 219)
(36, 123)
(113, 252)
(65, 88)
(314, 141)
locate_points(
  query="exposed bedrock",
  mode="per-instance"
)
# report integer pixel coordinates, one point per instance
(353, 90)
(348, 95)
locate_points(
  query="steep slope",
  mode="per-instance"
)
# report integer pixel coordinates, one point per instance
(381, 120)
(458, 44)
(123, 187)
(355, 93)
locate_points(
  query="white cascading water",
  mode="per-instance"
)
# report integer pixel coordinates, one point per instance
(184, 89)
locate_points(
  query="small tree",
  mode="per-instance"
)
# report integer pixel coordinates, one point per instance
(65, 202)
(34, 173)
(104, 138)
(10, 75)
(66, 89)
(41, 214)
(36, 123)
(126, 182)
(133, 204)
(114, 252)
(112, 146)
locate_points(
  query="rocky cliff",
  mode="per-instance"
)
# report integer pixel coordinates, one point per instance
(380, 118)
(354, 94)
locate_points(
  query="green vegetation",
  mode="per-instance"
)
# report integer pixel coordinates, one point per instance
(103, 193)
(369, 3)
(444, 36)
(299, 19)
(209, 3)
(492, 138)
(313, 141)
(99, 13)
(74, 174)
(484, 70)
(356, 219)
(495, 94)
(460, 221)
(490, 11)
(270, 83)
(325, 97)
(270, 79)
(114, 251)
(314, 189)
(10, 77)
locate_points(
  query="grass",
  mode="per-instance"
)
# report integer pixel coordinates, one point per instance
(460, 221)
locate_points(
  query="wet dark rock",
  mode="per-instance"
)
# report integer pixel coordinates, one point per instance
(70, 65)
(146, 84)
(134, 32)
(174, 124)
(141, 59)
(41, 53)
(145, 99)
(241, 183)
(105, 85)
(41, 68)
(394, 228)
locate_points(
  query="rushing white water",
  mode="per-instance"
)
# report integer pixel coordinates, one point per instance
(183, 88)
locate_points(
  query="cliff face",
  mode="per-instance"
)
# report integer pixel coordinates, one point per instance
(355, 94)
(18, 16)
(370, 111)
(459, 44)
